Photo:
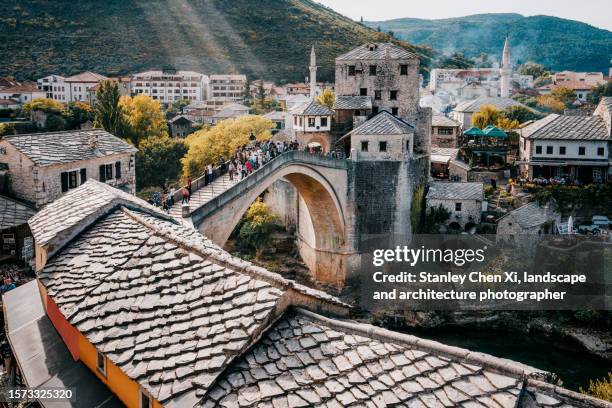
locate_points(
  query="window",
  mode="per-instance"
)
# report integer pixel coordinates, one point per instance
(374, 110)
(69, 180)
(83, 175)
(562, 150)
(549, 150)
(393, 95)
(395, 111)
(457, 206)
(323, 122)
(363, 91)
(581, 151)
(600, 151)
(145, 399)
(364, 146)
(378, 95)
(382, 146)
(403, 69)
(106, 172)
(351, 70)
(117, 169)
(445, 131)
(372, 70)
(311, 122)
(101, 363)
(538, 149)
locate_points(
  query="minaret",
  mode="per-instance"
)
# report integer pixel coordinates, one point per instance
(313, 74)
(505, 71)
(610, 73)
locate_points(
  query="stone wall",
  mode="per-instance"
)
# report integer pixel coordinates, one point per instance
(470, 210)
(282, 198)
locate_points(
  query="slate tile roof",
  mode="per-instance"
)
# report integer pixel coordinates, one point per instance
(352, 102)
(472, 106)
(308, 360)
(380, 50)
(13, 213)
(564, 127)
(312, 108)
(445, 190)
(531, 215)
(50, 148)
(384, 123)
(442, 120)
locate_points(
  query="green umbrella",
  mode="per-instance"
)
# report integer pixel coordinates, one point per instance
(473, 131)
(492, 131)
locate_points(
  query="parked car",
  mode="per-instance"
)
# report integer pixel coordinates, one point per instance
(601, 221)
(589, 229)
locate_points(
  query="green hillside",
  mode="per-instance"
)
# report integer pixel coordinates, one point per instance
(554, 42)
(263, 38)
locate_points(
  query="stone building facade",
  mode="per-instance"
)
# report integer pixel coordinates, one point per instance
(44, 166)
(462, 200)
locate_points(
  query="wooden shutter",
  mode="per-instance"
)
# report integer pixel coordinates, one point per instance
(83, 175)
(102, 173)
(117, 169)
(64, 182)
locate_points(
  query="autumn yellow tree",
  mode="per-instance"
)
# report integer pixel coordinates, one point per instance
(490, 115)
(551, 104)
(206, 146)
(144, 117)
(326, 98)
(43, 104)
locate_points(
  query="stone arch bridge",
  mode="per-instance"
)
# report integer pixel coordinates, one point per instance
(322, 183)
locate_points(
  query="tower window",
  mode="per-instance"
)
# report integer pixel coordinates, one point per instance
(395, 111)
(393, 95)
(351, 70)
(403, 69)
(363, 91)
(378, 95)
(372, 70)
(382, 146)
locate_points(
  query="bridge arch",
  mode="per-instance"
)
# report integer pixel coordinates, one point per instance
(321, 184)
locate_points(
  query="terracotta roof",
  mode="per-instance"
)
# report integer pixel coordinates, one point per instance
(564, 127)
(50, 148)
(7, 102)
(472, 106)
(13, 213)
(379, 52)
(26, 87)
(352, 102)
(574, 85)
(384, 123)
(445, 190)
(86, 76)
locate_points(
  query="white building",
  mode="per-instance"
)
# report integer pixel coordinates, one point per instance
(170, 85)
(311, 117)
(78, 87)
(226, 88)
(570, 147)
(472, 83)
(21, 93)
(54, 87)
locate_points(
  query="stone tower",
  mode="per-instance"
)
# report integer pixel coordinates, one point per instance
(313, 73)
(505, 72)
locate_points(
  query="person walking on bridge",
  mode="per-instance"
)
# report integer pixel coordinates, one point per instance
(231, 169)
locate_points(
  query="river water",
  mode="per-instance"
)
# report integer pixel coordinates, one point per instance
(569, 361)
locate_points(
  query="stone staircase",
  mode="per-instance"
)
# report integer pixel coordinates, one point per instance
(204, 194)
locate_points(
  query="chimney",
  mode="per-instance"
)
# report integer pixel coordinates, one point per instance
(93, 141)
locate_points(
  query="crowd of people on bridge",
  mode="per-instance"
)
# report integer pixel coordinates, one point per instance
(252, 156)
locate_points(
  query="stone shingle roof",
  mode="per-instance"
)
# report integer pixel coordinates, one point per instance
(309, 360)
(380, 51)
(475, 105)
(13, 213)
(384, 123)
(442, 120)
(312, 108)
(531, 215)
(50, 148)
(564, 127)
(444, 190)
(352, 102)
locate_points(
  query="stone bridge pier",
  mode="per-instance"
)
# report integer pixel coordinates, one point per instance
(322, 186)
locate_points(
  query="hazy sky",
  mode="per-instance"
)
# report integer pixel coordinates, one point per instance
(594, 12)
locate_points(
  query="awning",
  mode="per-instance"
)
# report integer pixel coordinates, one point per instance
(438, 158)
(42, 356)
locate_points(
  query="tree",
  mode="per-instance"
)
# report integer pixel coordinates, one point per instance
(533, 69)
(159, 161)
(46, 105)
(548, 103)
(79, 113)
(564, 95)
(256, 231)
(55, 123)
(487, 115)
(176, 108)
(457, 60)
(222, 140)
(108, 114)
(326, 98)
(601, 389)
(144, 117)
(520, 114)
(434, 219)
(600, 91)
(261, 95)
(246, 93)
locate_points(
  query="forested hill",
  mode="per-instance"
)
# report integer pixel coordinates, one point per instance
(263, 38)
(554, 42)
